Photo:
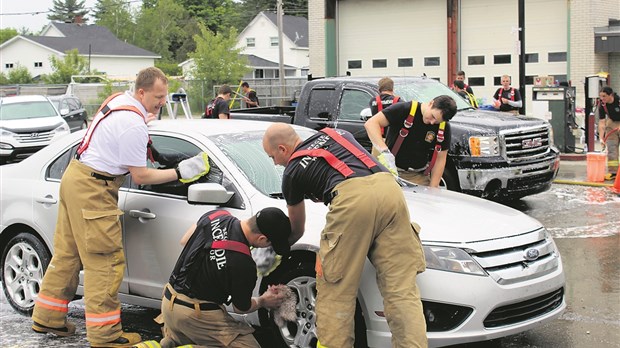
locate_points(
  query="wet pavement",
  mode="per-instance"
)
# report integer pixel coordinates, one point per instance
(585, 222)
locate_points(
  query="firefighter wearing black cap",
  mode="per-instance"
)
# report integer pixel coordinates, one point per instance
(417, 141)
(367, 217)
(216, 268)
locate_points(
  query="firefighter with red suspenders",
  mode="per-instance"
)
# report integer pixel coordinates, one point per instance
(88, 230)
(507, 98)
(386, 96)
(216, 268)
(609, 128)
(367, 218)
(417, 141)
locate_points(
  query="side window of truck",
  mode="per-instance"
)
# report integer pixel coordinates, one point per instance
(319, 102)
(352, 103)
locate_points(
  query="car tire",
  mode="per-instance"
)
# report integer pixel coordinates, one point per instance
(301, 278)
(24, 262)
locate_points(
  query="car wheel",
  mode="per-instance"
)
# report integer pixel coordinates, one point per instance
(84, 125)
(24, 261)
(302, 333)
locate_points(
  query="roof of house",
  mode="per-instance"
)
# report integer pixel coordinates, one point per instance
(258, 62)
(92, 39)
(295, 28)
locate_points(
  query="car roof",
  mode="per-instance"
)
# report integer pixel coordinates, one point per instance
(58, 97)
(210, 127)
(22, 99)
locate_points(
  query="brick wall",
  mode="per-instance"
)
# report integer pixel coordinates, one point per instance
(316, 41)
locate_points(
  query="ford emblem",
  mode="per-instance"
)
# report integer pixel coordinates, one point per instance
(531, 254)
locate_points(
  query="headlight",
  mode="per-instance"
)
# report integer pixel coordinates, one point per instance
(484, 146)
(551, 142)
(63, 129)
(451, 259)
(6, 133)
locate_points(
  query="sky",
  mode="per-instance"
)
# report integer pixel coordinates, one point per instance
(28, 16)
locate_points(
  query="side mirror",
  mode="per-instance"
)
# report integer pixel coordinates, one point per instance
(64, 112)
(208, 193)
(365, 114)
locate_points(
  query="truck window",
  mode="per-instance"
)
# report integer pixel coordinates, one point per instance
(318, 103)
(352, 103)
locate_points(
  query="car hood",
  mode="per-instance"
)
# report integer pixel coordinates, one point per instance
(32, 124)
(487, 121)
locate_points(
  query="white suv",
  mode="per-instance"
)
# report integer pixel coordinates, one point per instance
(27, 124)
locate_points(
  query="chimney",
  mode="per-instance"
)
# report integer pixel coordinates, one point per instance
(77, 20)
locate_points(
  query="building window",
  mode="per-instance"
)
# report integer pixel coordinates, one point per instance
(259, 74)
(274, 41)
(556, 57)
(276, 74)
(475, 81)
(38, 64)
(304, 72)
(379, 63)
(560, 78)
(250, 42)
(531, 57)
(529, 80)
(355, 64)
(502, 59)
(475, 60)
(405, 62)
(8, 65)
(431, 61)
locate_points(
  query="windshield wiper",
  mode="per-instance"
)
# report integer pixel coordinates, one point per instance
(278, 195)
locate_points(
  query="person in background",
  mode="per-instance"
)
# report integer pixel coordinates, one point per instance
(460, 76)
(218, 106)
(609, 128)
(250, 98)
(88, 231)
(507, 98)
(418, 138)
(385, 99)
(459, 87)
(216, 268)
(331, 167)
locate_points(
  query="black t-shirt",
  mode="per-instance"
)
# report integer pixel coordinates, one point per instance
(215, 274)
(613, 110)
(218, 106)
(313, 176)
(417, 148)
(512, 94)
(253, 97)
(386, 101)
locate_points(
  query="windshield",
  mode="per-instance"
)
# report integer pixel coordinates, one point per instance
(33, 109)
(245, 150)
(424, 90)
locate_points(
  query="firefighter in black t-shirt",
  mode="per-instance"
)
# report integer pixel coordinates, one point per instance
(216, 268)
(609, 128)
(418, 138)
(367, 218)
(218, 107)
(386, 96)
(507, 98)
(250, 98)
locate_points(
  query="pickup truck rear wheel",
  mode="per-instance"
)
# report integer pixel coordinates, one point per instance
(24, 261)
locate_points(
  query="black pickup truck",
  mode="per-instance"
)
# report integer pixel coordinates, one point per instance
(492, 154)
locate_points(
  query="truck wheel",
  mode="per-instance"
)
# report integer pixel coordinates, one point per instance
(302, 333)
(24, 261)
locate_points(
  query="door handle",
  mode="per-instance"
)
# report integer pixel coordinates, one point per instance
(48, 199)
(142, 214)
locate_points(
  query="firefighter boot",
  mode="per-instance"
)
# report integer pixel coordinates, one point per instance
(67, 330)
(127, 339)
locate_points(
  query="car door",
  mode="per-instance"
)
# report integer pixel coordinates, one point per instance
(352, 102)
(46, 196)
(157, 216)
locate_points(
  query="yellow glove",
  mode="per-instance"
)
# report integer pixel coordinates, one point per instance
(191, 169)
(389, 161)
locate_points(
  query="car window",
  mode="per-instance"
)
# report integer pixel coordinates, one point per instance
(318, 103)
(74, 104)
(58, 167)
(352, 103)
(425, 90)
(23, 110)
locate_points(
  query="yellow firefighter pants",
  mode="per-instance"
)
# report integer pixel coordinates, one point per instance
(88, 234)
(415, 177)
(612, 144)
(369, 218)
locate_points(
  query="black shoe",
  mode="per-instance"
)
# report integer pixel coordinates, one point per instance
(67, 330)
(127, 339)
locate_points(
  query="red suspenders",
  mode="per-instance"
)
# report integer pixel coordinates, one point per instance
(228, 244)
(501, 90)
(380, 104)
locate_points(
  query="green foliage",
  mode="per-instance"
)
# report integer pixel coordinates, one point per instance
(117, 16)
(3, 79)
(19, 75)
(248, 9)
(170, 68)
(215, 14)
(173, 85)
(7, 34)
(71, 64)
(216, 59)
(67, 11)
(159, 26)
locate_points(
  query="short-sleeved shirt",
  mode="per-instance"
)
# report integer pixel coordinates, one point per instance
(386, 101)
(610, 110)
(215, 275)
(220, 106)
(510, 94)
(417, 148)
(313, 177)
(253, 97)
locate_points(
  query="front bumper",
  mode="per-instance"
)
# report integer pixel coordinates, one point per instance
(509, 181)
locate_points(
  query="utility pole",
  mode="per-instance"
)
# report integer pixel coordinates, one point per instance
(281, 52)
(522, 53)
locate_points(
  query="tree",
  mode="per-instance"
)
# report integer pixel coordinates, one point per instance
(7, 34)
(215, 14)
(71, 64)
(3, 79)
(118, 17)
(19, 75)
(216, 59)
(250, 8)
(68, 11)
(159, 26)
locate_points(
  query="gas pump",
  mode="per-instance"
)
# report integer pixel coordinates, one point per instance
(593, 85)
(557, 103)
